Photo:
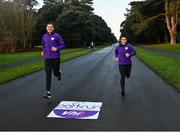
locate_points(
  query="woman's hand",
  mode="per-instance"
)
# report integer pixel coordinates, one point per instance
(117, 59)
(127, 55)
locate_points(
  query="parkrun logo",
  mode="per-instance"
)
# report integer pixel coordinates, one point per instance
(79, 105)
(77, 110)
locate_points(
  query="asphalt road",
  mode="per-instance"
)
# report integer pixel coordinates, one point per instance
(150, 103)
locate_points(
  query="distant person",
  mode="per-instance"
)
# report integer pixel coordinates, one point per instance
(123, 53)
(52, 44)
(92, 45)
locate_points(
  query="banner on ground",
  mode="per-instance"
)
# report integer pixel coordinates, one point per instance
(76, 110)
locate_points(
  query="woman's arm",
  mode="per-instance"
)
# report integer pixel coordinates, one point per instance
(116, 52)
(132, 51)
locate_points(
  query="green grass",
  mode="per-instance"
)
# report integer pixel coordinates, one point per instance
(18, 57)
(165, 47)
(19, 71)
(166, 67)
(9, 58)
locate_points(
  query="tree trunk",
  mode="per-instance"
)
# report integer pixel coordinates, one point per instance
(171, 20)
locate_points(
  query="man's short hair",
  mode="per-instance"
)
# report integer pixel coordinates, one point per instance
(50, 23)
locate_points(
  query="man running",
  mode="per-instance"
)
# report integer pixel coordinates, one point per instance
(52, 44)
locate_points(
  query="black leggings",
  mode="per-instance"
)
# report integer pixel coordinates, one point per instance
(51, 64)
(125, 71)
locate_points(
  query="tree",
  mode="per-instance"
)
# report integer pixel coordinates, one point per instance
(17, 19)
(171, 13)
(27, 24)
(73, 27)
(49, 12)
(101, 32)
(81, 5)
(75, 21)
(151, 13)
(52, 1)
(79, 26)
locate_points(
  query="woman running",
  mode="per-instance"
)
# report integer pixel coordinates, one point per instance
(123, 53)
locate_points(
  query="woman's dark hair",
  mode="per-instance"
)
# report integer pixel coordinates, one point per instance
(121, 38)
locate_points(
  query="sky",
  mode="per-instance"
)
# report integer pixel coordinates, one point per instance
(112, 11)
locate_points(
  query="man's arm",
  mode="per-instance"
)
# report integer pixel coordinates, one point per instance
(61, 43)
(43, 47)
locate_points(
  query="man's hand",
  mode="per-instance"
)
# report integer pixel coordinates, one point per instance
(127, 55)
(42, 53)
(54, 49)
(117, 59)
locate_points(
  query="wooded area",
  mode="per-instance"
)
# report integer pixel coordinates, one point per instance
(148, 21)
(153, 21)
(22, 26)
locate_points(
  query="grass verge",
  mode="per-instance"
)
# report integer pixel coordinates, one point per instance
(165, 47)
(9, 58)
(166, 67)
(19, 71)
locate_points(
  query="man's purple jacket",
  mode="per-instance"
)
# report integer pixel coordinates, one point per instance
(121, 51)
(52, 40)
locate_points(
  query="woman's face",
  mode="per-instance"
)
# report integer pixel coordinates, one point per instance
(123, 40)
(50, 28)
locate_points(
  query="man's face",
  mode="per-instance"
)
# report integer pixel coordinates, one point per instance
(50, 28)
(123, 40)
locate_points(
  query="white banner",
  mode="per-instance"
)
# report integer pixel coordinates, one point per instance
(76, 110)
